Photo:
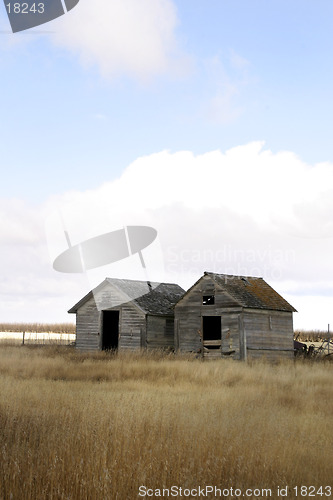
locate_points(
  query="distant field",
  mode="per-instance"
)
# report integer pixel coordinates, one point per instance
(311, 335)
(37, 333)
(305, 335)
(41, 329)
(38, 327)
(99, 426)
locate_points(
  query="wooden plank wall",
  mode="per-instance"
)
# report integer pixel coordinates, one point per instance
(269, 334)
(132, 327)
(132, 324)
(189, 330)
(190, 310)
(230, 334)
(252, 333)
(160, 332)
(188, 321)
(87, 327)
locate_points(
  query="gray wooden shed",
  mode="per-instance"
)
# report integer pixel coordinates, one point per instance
(126, 314)
(237, 316)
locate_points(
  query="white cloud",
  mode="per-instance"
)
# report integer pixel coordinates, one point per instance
(245, 211)
(135, 38)
(227, 78)
(29, 289)
(238, 62)
(222, 108)
(18, 224)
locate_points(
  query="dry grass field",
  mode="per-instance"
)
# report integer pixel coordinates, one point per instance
(37, 333)
(38, 327)
(79, 426)
(311, 335)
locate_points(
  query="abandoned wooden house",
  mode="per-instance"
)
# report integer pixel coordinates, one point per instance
(224, 315)
(126, 314)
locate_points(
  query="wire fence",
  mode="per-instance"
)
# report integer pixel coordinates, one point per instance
(37, 333)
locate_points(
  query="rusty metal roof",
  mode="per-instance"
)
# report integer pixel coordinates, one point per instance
(251, 292)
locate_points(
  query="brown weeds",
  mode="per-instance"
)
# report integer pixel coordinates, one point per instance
(80, 426)
(38, 327)
(311, 335)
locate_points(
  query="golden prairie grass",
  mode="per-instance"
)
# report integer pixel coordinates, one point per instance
(38, 327)
(37, 333)
(81, 426)
(312, 335)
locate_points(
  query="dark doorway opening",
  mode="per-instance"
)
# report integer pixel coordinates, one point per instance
(211, 331)
(110, 329)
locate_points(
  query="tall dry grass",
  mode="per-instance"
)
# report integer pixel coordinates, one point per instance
(38, 327)
(99, 426)
(312, 335)
(37, 333)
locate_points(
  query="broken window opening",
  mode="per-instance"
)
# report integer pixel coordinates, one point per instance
(208, 300)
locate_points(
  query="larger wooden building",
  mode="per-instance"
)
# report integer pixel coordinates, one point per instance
(126, 314)
(237, 316)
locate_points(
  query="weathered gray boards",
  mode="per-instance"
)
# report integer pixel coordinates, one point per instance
(219, 316)
(240, 317)
(126, 314)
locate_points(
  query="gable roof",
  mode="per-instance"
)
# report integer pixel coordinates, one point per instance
(250, 292)
(152, 298)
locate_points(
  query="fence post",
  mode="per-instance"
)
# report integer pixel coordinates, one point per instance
(328, 338)
(23, 334)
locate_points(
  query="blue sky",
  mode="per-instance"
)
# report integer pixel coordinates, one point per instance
(267, 64)
(89, 94)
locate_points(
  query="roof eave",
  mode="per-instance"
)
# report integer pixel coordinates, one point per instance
(86, 297)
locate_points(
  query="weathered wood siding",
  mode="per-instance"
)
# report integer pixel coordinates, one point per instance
(188, 332)
(190, 310)
(188, 321)
(132, 321)
(87, 327)
(132, 327)
(231, 334)
(160, 332)
(268, 333)
(248, 332)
